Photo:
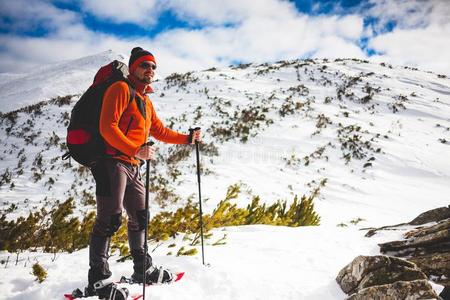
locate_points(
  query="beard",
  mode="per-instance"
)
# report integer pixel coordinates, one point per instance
(146, 79)
(143, 78)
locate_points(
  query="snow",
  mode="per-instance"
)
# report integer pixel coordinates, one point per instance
(258, 262)
(59, 79)
(409, 176)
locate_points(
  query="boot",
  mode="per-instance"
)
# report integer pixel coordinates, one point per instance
(153, 274)
(98, 261)
(445, 294)
(107, 290)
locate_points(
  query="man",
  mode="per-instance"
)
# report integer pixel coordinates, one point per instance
(126, 126)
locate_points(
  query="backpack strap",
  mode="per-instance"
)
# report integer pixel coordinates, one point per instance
(131, 88)
(132, 91)
(66, 155)
(139, 101)
(132, 97)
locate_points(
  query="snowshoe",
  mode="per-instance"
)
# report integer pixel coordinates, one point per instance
(154, 275)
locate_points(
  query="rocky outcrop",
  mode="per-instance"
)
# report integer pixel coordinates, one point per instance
(434, 215)
(381, 277)
(407, 290)
(427, 247)
(423, 255)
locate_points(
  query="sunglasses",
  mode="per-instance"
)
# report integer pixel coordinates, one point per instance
(147, 65)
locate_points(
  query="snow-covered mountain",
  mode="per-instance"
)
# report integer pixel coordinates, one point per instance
(374, 137)
(59, 79)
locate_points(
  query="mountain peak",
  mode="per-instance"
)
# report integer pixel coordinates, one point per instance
(58, 79)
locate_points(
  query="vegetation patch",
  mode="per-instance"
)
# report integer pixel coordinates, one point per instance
(185, 220)
(353, 143)
(180, 80)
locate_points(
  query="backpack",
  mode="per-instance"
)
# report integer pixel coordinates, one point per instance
(85, 144)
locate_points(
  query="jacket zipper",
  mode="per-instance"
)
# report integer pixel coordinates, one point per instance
(126, 132)
(129, 124)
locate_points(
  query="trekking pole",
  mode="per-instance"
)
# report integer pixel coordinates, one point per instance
(199, 192)
(147, 183)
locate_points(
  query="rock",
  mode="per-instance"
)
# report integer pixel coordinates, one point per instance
(434, 215)
(365, 271)
(420, 241)
(405, 290)
(391, 274)
(436, 266)
(421, 231)
(427, 247)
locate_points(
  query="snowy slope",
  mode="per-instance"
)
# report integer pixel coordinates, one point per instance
(258, 262)
(59, 79)
(393, 123)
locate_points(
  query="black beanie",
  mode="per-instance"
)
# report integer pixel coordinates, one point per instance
(139, 55)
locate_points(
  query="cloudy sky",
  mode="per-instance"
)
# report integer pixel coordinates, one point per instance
(197, 34)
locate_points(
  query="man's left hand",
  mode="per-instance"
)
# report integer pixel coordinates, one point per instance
(195, 135)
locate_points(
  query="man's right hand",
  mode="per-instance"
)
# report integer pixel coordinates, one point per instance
(146, 152)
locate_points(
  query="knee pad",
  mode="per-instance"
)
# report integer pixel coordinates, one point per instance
(141, 219)
(116, 221)
(104, 228)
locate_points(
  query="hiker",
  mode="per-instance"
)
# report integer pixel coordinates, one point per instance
(125, 127)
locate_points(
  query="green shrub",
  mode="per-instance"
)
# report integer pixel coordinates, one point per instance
(189, 252)
(185, 220)
(52, 231)
(39, 272)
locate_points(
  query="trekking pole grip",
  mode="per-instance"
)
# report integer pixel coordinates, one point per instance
(191, 134)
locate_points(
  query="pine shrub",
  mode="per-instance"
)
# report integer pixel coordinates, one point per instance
(189, 252)
(39, 272)
(185, 220)
(52, 231)
(55, 230)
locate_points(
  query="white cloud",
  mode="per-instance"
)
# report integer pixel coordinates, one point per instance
(348, 27)
(140, 12)
(219, 12)
(23, 15)
(335, 47)
(405, 14)
(262, 39)
(231, 31)
(409, 14)
(270, 32)
(421, 36)
(426, 48)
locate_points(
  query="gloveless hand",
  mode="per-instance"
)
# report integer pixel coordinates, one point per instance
(146, 152)
(196, 136)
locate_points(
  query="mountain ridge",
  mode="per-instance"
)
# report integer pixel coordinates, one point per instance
(293, 121)
(53, 80)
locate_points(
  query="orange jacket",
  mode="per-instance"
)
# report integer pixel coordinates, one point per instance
(125, 126)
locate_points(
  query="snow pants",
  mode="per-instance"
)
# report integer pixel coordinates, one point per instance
(118, 185)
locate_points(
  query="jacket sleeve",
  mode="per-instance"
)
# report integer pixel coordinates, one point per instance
(164, 134)
(115, 101)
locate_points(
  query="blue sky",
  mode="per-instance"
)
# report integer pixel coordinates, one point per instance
(199, 34)
(168, 20)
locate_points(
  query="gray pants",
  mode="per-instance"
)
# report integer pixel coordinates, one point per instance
(118, 185)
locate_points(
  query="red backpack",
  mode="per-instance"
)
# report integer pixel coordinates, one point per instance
(84, 141)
